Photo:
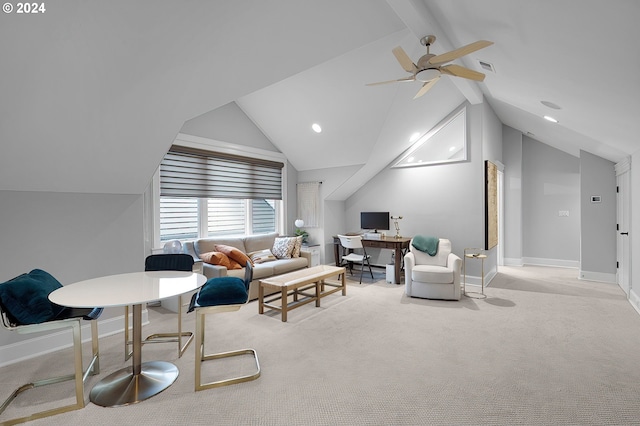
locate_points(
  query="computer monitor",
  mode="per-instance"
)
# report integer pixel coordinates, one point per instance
(374, 221)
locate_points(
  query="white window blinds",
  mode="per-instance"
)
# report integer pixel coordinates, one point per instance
(188, 172)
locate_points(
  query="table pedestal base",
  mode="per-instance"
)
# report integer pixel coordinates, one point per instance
(124, 388)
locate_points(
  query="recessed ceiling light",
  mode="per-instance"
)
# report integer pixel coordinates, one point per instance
(551, 119)
(453, 148)
(414, 137)
(316, 127)
(550, 105)
(410, 160)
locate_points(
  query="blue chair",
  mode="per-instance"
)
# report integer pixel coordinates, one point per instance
(25, 308)
(164, 262)
(217, 295)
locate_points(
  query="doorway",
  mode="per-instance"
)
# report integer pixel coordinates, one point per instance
(623, 212)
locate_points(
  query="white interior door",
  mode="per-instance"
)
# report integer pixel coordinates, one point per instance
(623, 238)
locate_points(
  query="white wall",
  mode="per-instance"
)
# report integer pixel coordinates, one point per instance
(550, 184)
(444, 200)
(72, 236)
(230, 124)
(597, 220)
(512, 156)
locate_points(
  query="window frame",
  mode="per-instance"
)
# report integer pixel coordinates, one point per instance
(222, 147)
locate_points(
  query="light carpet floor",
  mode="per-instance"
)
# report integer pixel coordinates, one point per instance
(542, 349)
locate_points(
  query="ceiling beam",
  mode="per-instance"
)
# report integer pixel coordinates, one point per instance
(416, 17)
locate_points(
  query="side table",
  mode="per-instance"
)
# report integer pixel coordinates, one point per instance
(474, 253)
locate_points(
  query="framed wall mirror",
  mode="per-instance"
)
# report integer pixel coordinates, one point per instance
(445, 143)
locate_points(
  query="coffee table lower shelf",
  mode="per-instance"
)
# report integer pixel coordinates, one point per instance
(303, 286)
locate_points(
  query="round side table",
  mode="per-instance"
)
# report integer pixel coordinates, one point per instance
(474, 253)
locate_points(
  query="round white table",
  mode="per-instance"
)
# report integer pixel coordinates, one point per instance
(143, 380)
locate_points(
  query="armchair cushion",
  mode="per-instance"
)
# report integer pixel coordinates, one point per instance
(26, 297)
(432, 274)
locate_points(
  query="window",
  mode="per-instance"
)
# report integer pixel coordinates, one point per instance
(204, 194)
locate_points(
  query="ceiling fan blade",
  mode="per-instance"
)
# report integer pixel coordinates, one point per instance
(404, 60)
(463, 72)
(425, 87)
(457, 53)
(412, 78)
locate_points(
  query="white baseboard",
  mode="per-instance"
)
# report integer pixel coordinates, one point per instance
(477, 281)
(634, 299)
(539, 261)
(597, 276)
(513, 261)
(44, 344)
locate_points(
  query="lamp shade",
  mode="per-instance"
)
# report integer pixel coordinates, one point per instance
(299, 223)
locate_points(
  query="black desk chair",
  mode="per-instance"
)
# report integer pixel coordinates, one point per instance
(224, 294)
(164, 262)
(25, 308)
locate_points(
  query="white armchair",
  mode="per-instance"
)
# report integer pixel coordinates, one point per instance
(433, 277)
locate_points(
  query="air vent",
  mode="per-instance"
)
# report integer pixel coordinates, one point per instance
(487, 66)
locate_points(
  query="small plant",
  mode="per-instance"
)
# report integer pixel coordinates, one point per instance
(304, 234)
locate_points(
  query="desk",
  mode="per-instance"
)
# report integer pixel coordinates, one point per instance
(143, 380)
(398, 245)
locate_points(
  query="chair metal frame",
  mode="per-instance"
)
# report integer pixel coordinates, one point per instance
(175, 337)
(79, 374)
(201, 357)
(352, 242)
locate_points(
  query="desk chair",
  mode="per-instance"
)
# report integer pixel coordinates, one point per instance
(25, 308)
(224, 294)
(354, 242)
(164, 262)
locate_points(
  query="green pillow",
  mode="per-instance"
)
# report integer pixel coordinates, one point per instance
(222, 291)
(26, 298)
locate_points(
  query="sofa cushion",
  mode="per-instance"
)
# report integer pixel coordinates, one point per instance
(259, 242)
(260, 271)
(432, 274)
(283, 247)
(26, 297)
(287, 265)
(234, 253)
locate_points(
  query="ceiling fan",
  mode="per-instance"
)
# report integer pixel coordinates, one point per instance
(430, 67)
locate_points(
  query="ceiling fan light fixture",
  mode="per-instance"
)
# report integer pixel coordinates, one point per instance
(427, 75)
(551, 119)
(316, 127)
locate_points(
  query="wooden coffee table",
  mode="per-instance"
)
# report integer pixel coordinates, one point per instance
(298, 283)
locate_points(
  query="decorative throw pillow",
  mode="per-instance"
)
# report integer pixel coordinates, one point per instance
(26, 297)
(262, 256)
(297, 247)
(283, 247)
(234, 254)
(216, 258)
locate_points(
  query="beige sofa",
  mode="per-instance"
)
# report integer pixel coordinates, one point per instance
(246, 244)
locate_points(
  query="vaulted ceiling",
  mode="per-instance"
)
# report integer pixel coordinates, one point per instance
(92, 94)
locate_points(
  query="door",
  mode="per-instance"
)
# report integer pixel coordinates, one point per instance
(623, 239)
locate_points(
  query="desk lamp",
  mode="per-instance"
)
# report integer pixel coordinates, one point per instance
(395, 224)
